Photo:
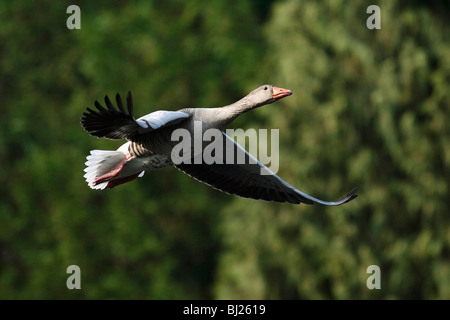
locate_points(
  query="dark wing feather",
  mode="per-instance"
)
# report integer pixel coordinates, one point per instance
(109, 122)
(246, 180)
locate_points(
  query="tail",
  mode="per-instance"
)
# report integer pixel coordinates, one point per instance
(104, 169)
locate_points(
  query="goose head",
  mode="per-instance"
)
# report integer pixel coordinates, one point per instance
(267, 94)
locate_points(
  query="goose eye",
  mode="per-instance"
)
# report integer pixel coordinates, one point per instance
(265, 88)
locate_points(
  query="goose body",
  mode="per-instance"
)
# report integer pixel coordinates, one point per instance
(150, 143)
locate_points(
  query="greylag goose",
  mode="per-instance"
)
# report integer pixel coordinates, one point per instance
(150, 144)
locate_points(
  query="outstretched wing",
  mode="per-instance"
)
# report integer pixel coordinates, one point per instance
(112, 123)
(246, 179)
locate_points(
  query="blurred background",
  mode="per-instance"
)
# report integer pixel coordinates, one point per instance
(369, 109)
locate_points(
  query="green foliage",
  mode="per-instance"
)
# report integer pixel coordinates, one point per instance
(369, 109)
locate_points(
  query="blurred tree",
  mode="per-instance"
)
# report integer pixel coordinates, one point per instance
(369, 109)
(153, 239)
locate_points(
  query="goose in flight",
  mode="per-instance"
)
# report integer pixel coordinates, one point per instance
(150, 144)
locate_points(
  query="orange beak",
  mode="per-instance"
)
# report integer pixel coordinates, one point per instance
(279, 93)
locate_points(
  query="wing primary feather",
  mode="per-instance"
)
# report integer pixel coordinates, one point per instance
(99, 106)
(119, 103)
(130, 104)
(109, 104)
(89, 110)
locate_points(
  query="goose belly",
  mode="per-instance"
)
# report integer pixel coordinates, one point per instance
(155, 161)
(149, 162)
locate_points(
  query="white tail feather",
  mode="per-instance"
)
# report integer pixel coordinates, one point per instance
(100, 162)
